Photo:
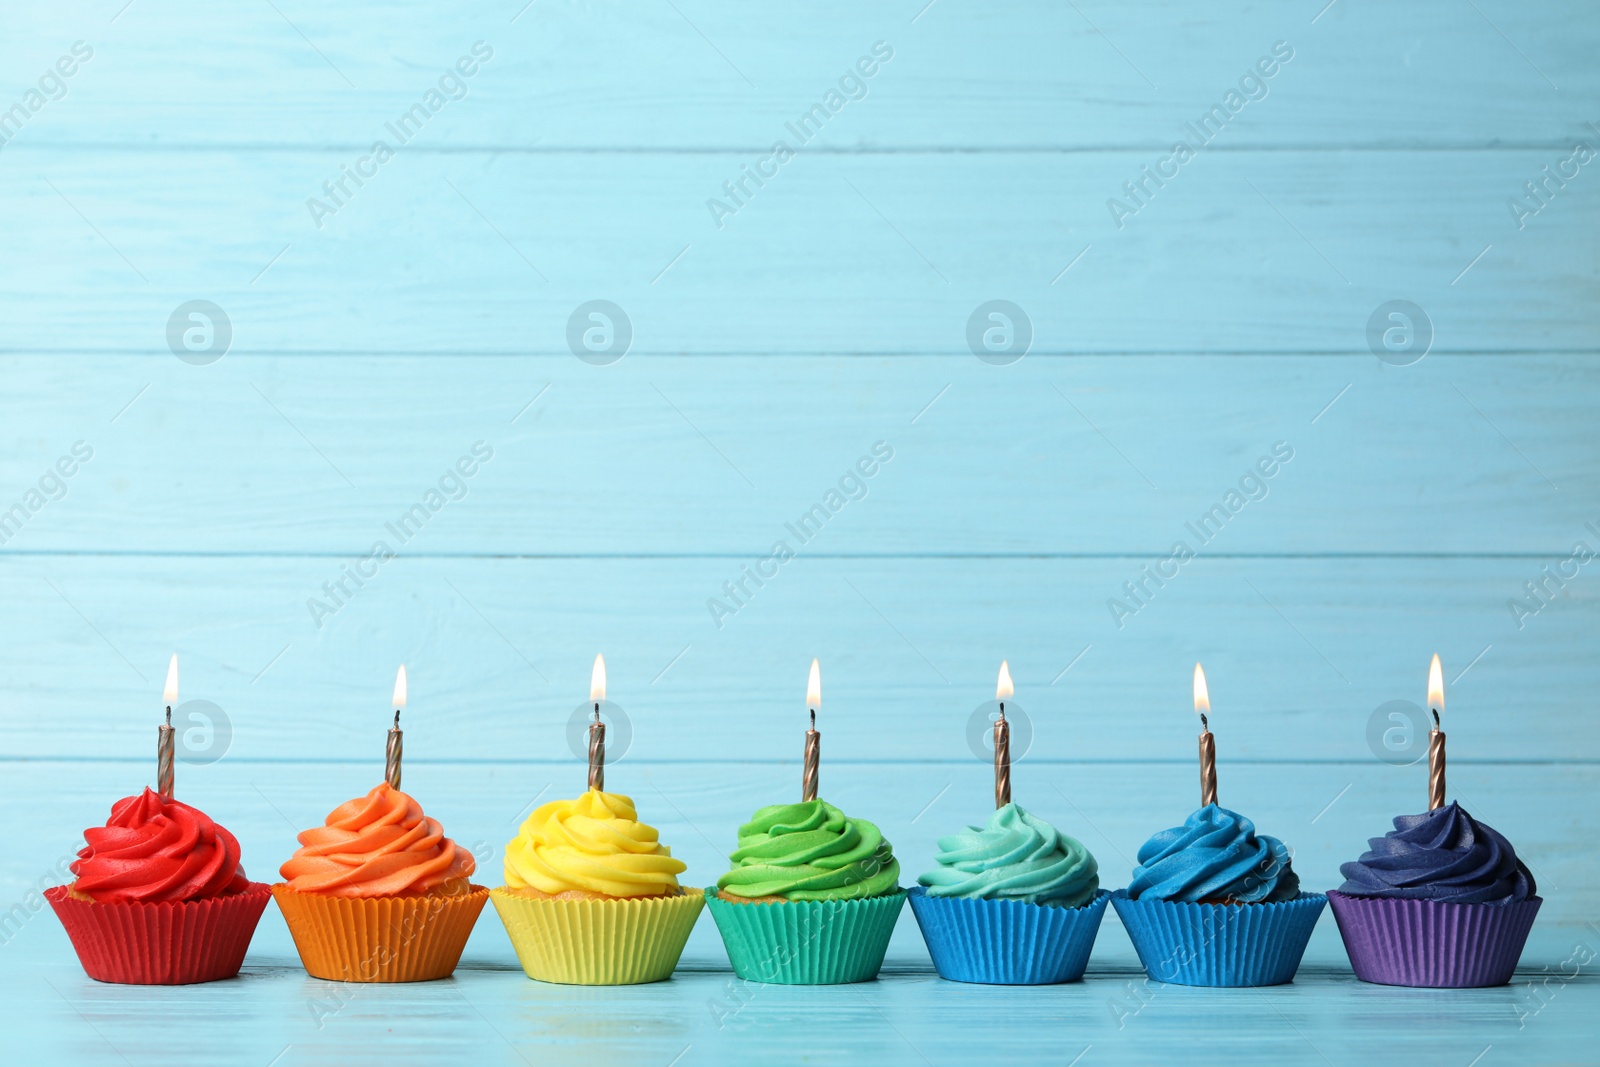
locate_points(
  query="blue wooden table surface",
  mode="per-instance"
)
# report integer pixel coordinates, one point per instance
(399, 218)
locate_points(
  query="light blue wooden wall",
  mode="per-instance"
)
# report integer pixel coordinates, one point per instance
(1230, 313)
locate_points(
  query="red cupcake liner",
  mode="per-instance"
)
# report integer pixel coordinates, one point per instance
(1432, 943)
(164, 943)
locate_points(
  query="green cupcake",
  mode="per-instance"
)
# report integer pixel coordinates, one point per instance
(811, 897)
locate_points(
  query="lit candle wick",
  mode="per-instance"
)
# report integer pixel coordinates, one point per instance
(813, 754)
(1208, 743)
(165, 745)
(392, 752)
(166, 740)
(1002, 759)
(813, 760)
(597, 754)
(1002, 738)
(597, 729)
(1435, 736)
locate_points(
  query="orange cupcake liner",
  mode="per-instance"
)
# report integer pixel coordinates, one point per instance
(163, 943)
(380, 939)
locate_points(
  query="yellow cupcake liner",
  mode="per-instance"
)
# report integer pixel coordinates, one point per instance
(380, 939)
(601, 941)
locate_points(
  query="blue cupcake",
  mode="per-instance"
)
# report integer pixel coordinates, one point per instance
(1213, 903)
(1015, 902)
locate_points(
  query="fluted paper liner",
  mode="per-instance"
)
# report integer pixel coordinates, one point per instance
(1007, 942)
(612, 941)
(164, 943)
(807, 942)
(1394, 941)
(1220, 944)
(380, 939)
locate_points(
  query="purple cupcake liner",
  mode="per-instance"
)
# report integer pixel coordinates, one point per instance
(1397, 941)
(1007, 942)
(1219, 944)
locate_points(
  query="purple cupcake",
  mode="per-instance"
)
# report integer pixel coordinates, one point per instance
(1441, 900)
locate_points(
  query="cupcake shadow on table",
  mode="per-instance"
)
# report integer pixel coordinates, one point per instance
(1015, 902)
(1441, 900)
(379, 894)
(1214, 904)
(592, 896)
(160, 897)
(811, 898)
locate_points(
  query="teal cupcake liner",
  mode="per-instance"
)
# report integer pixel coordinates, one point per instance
(807, 942)
(1220, 944)
(1007, 942)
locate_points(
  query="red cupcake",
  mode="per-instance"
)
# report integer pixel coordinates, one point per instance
(160, 897)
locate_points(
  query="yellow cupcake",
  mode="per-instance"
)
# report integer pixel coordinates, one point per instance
(592, 896)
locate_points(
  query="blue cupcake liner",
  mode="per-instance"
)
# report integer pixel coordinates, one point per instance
(1220, 944)
(1007, 942)
(807, 942)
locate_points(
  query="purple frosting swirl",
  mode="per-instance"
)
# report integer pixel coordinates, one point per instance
(1445, 855)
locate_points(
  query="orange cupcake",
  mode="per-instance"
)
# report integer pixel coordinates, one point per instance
(379, 894)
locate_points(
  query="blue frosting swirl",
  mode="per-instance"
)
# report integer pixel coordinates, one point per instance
(1214, 857)
(1444, 855)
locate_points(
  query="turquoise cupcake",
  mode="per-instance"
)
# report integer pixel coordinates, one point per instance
(1015, 902)
(1212, 903)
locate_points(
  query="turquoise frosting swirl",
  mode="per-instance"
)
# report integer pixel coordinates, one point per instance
(1214, 856)
(1018, 856)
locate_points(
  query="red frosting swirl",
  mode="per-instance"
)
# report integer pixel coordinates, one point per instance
(157, 849)
(378, 845)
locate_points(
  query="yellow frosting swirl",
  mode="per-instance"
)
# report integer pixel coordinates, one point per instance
(594, 844)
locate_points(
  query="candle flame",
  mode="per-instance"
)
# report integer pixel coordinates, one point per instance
(1202, 695)
(814, 687)
(400, 688)
(597, 680)
(169, 695)
(1002, 686)
(1435, 684)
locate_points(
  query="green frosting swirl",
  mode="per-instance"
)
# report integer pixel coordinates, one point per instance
(810, 851)
(1018, 856)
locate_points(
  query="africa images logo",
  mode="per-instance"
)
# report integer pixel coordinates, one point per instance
(451, 85)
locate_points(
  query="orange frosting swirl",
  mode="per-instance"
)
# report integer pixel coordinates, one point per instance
(379, 845)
